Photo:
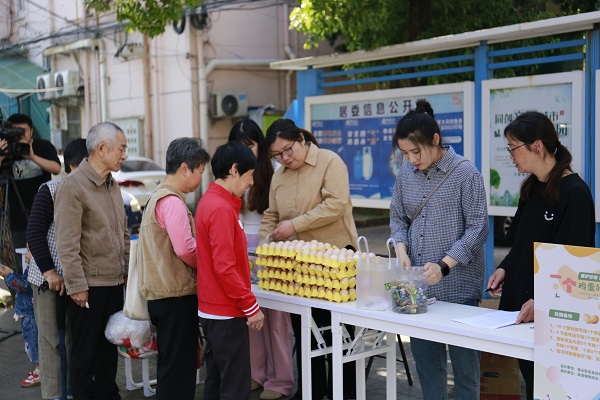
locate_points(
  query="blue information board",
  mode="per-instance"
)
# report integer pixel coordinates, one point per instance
(361, 132)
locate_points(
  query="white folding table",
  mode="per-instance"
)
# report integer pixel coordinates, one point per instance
(436, 325)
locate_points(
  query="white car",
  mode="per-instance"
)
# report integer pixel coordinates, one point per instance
(132, 206)
(140, 176)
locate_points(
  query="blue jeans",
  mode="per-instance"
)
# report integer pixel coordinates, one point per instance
(30, 335)
(431, 361)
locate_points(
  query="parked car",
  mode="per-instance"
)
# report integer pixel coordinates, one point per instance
(501, 226)
(131, 203)
(140, 176)
(133, 212)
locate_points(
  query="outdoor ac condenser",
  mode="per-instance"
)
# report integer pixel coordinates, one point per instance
(68, 83)
(45, 81)
(229, 105)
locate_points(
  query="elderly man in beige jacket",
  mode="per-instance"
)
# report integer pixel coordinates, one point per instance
(93, 248)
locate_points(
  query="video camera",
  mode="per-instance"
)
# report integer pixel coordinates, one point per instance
(11, 134)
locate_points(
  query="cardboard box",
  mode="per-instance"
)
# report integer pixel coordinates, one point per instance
(500, 377)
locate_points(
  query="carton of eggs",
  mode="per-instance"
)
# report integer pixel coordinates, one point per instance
(308, 269)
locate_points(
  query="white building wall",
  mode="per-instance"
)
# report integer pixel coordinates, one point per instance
(241, 34)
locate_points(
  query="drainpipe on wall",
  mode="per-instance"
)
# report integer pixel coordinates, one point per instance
(91, 45)
(291, 55)
(204, 71)
(195, 88)
(149, 112)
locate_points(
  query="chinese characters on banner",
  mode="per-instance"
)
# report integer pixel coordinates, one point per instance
(567, 331)
(361, 133)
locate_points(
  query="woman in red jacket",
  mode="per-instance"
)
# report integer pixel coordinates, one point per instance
(226, 304)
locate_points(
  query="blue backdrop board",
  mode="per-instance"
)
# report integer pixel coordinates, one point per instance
(558, 96)
(360, 127)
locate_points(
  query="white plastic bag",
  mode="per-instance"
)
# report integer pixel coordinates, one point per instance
(127, 332)
(136, 306)
(373, 274)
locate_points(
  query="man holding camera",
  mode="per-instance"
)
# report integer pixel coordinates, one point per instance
(29, 170)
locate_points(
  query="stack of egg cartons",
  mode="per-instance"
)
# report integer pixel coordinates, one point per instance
(308, 269)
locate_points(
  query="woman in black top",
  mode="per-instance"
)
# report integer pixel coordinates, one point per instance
(555, 206)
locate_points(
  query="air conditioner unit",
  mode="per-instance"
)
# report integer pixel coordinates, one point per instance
(67, 82)
(229, 105)
(45, 82)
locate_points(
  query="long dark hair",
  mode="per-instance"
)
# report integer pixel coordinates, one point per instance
(529, 127)
(287, 129)
(418, 125)
(246, 131)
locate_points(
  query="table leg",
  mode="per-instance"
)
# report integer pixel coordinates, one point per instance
(306, 318)
(361, 381)
(391, 365)
(337, 355)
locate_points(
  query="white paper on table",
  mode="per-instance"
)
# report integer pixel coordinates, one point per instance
(492, 320)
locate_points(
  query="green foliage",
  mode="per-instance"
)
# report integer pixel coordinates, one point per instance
(368, 24)
(364, 24)
(150, 17)
(494, 178)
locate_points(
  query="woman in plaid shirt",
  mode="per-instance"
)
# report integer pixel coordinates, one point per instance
(438, 217)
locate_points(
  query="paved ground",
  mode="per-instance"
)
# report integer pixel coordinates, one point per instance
(14, 364)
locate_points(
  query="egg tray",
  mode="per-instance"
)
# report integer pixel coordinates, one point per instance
(308, 269)
(308, 291)
(309, 252)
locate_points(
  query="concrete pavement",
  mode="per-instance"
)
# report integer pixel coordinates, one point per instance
(14, 363)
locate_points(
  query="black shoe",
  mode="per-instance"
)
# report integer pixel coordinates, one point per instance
(298, 396)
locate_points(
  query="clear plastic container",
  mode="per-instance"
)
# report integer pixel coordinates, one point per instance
(409, 291)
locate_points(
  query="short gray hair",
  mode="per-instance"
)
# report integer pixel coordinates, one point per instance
(104, 132)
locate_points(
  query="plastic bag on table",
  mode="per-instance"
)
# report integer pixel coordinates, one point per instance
(373, 274)
(127, 332)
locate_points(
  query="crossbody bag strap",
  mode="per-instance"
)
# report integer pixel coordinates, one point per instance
(436, 188)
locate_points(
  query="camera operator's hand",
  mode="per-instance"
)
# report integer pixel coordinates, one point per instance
(3, 147)
(47, 165)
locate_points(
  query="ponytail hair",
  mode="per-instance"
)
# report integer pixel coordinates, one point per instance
(418, 125)
(247, 131)
(529, 127)
(287, 129)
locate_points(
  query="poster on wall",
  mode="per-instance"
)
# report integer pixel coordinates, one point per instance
(567, 328)
(360, 127)
(558, 96)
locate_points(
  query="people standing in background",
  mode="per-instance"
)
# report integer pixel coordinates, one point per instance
(93, 247)
(271, 347)
(309, 199)
(167, 260)
(29, 172)
(226, 305)
(555, 206)
(444, 229)
(45, 267)
(24, 312)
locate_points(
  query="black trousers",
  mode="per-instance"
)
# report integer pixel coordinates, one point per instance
(227, 360)
(176, 321)
(526, 368)
(320, 373)
(93, 359)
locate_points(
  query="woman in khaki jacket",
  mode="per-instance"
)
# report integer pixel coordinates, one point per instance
(309, 200)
